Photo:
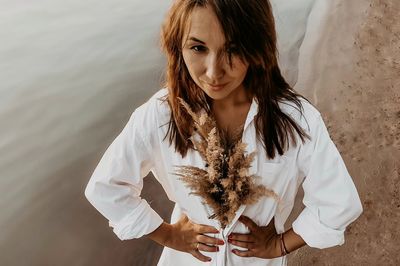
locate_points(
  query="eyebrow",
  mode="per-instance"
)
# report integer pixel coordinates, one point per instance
(196, 40)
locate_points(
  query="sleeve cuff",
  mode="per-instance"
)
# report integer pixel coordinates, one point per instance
(316, 234)
(142, 221)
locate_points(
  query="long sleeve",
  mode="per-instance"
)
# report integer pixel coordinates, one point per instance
(330, 197)
(115, 185)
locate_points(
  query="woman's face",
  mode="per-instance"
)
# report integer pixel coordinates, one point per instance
(206, 59)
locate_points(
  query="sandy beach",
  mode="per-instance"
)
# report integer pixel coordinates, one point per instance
(357, 91)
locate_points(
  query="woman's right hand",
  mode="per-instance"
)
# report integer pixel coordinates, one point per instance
(188, 237)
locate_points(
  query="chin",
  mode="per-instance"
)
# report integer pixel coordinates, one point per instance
(217, 95)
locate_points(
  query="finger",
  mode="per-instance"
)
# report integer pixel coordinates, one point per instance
(242, 237)
(202, 229)
(183, 217)
(200, 256)
(207, 248)
(248, 222)
(209, 240)
(245, 253)
(242, 244)
(270, 228)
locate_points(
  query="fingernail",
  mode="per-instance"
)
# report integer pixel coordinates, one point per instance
(209, 259)
(221, 242)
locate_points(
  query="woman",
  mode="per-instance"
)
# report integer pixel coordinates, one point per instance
(222, 58)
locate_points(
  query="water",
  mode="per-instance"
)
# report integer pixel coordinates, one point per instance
(71, 73)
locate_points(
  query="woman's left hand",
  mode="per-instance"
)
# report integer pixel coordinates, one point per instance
(261, 242)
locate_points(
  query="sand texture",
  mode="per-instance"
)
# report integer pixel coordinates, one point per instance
(357, 91)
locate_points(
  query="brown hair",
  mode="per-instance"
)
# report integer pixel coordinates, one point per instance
(263, 79)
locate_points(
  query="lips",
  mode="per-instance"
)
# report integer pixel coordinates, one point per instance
(216, 86)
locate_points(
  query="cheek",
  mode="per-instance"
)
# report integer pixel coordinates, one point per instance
(192, 64)
(239, 69)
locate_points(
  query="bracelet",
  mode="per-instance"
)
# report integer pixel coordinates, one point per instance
(284, 251)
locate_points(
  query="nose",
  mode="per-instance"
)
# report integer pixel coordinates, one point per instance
(215, 68)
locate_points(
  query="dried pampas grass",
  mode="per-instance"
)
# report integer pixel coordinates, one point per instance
(225, 185)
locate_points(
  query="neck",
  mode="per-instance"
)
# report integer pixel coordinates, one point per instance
(237, 98)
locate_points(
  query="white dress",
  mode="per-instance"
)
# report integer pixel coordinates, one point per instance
(330, 197)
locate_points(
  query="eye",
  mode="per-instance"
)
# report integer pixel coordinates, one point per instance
(198, 48)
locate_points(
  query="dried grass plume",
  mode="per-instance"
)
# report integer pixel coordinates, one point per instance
(225, 185)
